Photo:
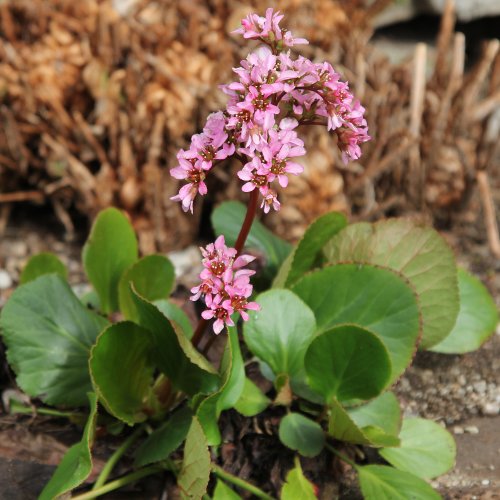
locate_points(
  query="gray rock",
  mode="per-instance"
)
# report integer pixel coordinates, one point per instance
(5, 280)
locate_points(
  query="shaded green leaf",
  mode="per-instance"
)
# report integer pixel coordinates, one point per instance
(122, 370)
(379, 482)
(252, 400)
(301, 434)
(110, 249)
(342, 427)
(297, 486)
(427, 450)
(374, 298)
(40, 264)
(166, 439)
(419, 254)
(280, 333)
(233, 379)
(307, 249)
(383, 412)
(227, 219)
(48, 334)
(477, 318)
(76, 464)
(174, 354)
(195, 472)
(174, 313)
(153, 278)
(347, 362)
(224, 492)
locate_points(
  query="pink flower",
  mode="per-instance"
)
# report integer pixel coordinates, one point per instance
(225, 284)
(257, 27)
(272, 95)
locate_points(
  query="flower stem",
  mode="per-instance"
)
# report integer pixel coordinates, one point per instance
(330, 448)
(113, 460)
(247, 222)
(118, 483)
(240, 243)
(240, 483)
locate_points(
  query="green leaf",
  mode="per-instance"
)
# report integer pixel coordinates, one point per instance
(195, 472)
(427, 450)
(76, 464)
(342, 427)
(122, 370)
(48, 334)
(297, 486)
(307, 249)
(227, 219)
(280, 333)
(166, 439)
(174, 354)
(419, 254)
(40, 264)
(347, 362)
(110, 249)
(477, 318)
(383, 412)
(224, 492)
(374, 298)
(379, 482)
(301, 434)
(252, 400)
(153, 278)
(233, 379)
(174, 313)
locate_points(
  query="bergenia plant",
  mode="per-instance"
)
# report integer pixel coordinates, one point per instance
(337, 321)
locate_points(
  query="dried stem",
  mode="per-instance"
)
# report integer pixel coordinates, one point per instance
(489, 213)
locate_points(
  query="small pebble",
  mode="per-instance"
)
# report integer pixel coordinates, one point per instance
(5, 280)
(485, 482)
(491, 409)
(458, 430)
(472, 429)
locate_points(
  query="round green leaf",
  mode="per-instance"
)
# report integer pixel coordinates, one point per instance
(153, 278)
(419, 254)
(122, 370)
(383, 412)
(252, 400)
(48, 334)
(301, 434)
(379, 482)
(110, 249)
(427, 450)
(342, 427)
(76, 465)
(280, 332)
(374, 298)
(166, 439)
(297, 486)
(176, 314)
(195, 471)
(347, 362)
(477, 318)
(40, 264)
(304, 254)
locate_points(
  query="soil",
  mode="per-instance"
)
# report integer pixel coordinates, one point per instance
(460, 392)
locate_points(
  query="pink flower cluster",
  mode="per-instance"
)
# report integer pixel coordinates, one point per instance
(225, 284)
(273, 95)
